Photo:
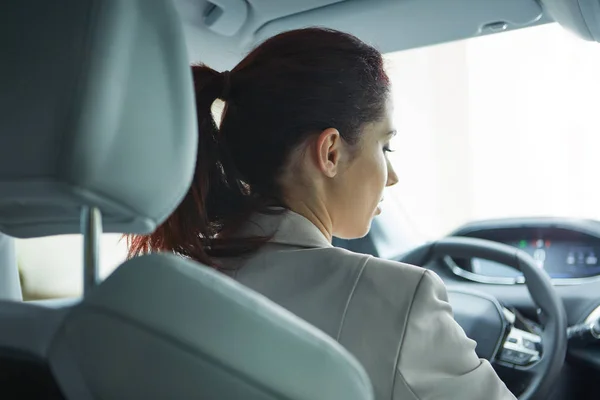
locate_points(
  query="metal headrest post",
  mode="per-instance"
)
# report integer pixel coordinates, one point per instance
(91, 228)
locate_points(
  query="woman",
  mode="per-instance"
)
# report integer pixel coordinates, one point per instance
(300, 157)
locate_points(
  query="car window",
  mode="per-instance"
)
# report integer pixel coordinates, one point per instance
(51, 267)
(498, 126)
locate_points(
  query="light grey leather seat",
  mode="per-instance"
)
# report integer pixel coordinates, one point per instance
(97, 114)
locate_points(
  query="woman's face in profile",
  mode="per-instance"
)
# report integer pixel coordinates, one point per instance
(361, 184)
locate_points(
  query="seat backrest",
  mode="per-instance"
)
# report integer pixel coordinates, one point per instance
(97, 113)
(164, 327)
(26, 334)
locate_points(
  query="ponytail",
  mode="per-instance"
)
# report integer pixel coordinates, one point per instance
(217, 198)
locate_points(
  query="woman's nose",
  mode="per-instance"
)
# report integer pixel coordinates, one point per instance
(392, 177)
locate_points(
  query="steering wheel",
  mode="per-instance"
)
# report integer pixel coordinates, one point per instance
(538, 356)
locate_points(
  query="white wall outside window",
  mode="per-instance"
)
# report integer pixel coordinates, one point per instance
(499, 126)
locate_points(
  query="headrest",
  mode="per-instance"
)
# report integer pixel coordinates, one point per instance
(164, 327)
(96, 109)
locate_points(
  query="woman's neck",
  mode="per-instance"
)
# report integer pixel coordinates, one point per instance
(315, 213)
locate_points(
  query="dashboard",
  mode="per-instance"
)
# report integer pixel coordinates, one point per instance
(568, 250)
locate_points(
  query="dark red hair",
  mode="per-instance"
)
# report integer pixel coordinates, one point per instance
(293, 85)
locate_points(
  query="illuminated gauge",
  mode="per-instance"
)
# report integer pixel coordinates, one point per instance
(591, 259)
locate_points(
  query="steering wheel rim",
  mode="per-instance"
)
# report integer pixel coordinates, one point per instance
(554, 335)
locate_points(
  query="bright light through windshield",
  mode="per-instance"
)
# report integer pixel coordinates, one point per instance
(498, 126)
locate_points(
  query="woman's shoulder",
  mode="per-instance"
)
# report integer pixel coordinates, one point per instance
(379, 263)
(384, 273)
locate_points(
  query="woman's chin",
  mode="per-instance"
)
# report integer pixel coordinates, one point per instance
(359, 228)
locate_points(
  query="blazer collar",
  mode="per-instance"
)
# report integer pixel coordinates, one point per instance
(288, 228)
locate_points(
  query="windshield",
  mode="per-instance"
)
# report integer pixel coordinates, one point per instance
(494, 127)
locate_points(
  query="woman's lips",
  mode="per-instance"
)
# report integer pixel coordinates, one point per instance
(378, 208)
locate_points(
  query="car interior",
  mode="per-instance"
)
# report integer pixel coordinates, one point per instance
(98, 117)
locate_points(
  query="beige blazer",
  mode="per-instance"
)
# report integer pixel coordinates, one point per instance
(394, 318)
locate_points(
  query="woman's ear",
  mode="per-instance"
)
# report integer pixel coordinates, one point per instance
(328, 152)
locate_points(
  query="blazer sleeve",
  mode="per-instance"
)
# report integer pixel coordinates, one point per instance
(437, 360)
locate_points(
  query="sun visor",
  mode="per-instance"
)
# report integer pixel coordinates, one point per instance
(582, 17)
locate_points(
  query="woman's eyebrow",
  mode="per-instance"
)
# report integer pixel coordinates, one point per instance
(391, 133)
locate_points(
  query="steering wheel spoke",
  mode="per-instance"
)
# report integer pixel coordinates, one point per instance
(520, 349)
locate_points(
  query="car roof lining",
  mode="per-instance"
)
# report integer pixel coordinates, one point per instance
(390, 25)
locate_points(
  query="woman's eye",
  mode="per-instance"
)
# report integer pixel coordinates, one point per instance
(387, 149)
